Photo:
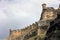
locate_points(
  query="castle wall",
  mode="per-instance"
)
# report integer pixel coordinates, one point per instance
(41, 26)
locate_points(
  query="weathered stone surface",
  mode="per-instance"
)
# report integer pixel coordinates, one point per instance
(47, 28)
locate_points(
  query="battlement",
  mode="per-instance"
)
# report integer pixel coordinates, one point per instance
(48, 14)
(21, 32)
(47, 10)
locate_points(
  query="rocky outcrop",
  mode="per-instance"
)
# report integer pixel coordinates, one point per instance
(47, 28)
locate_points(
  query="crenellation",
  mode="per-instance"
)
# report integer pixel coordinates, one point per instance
(39, 29)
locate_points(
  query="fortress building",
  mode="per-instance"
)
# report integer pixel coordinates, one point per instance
(47, 28)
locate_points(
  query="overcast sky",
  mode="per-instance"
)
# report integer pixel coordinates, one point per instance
(17, 14)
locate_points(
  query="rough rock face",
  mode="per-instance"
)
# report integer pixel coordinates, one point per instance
(47, 28)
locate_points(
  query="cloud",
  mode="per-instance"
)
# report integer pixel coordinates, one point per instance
(2, 15)
(16, 14)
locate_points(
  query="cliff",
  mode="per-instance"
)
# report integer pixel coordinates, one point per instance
(44, 29)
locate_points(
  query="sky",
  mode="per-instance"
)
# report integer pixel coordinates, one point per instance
(18, 14)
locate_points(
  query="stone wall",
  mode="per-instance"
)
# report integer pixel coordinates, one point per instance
(40, 27)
